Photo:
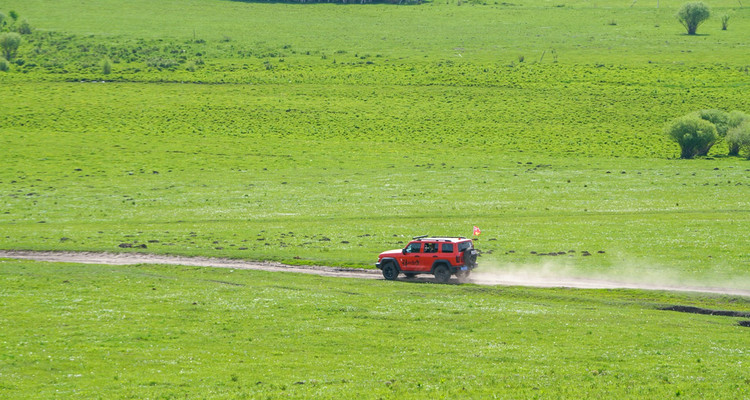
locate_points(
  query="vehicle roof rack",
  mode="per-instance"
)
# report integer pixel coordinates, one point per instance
(437, 237)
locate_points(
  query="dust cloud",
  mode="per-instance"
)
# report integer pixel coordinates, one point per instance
(551, 274)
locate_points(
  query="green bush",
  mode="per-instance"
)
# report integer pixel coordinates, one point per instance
(719, 118)
(106, 66)
(2, 20)
(162, 63)
(694, 135)
(9, 42)
(24, 28)
(739, 137)
(735, 120)
(724, 22)
(691, 15)
(4, 65)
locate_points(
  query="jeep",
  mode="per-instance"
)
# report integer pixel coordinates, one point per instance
(440, 256)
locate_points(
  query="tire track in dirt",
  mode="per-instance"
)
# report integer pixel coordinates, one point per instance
(144, 258)
(478, 277)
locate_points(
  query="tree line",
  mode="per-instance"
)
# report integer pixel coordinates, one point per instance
(336, 1)
(11, 30)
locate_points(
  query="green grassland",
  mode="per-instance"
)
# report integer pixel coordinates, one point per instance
(326, 133)
(162, 332)
(273, 137)
(262, 141)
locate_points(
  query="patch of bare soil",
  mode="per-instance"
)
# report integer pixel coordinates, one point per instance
(706, 311)
(142, 258)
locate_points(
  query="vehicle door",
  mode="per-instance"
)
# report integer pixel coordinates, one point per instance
(429, 255)
(411, 256)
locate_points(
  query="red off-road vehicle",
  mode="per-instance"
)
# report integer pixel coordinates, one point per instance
(440, 256)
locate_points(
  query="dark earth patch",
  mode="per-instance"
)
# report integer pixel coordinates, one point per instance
(706, 311)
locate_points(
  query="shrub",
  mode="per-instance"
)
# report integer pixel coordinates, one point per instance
(24, 28)
(724, 22)
(719, 118)
(694, 135)
(9, 42)
(739, 136)
(691, 15)
(162, 63)
(2, 20)
(106, 65)
(735, 119)
(4, 65)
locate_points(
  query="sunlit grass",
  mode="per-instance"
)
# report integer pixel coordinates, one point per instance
(167, 331)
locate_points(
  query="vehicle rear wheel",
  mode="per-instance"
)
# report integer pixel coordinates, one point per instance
(442, 274)
(463, 276)
(390, 272)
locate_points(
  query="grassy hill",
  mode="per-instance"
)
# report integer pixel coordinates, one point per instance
(328, 148)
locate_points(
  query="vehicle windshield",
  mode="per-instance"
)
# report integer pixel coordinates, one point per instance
(463, 246)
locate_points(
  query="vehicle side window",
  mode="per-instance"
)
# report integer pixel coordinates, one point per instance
(447, 248)
(430, 248)
(414, 247)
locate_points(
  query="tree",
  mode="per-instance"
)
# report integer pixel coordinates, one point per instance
(9, 42)
(739, 136)
(694, 135)
(2, 20)
(735, 120)
(691, 15)
(720, 119)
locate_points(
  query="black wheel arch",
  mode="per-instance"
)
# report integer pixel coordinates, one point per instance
(387, 260)
(448, 265)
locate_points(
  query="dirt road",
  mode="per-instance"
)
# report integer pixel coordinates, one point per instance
(492, 278)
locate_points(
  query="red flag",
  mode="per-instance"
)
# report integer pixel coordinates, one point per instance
(477, 231)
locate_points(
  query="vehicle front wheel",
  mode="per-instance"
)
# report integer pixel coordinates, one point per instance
(442, 274)
(390, 272)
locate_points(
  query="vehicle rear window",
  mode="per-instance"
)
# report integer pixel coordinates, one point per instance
(446, 248)
(463, 246)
